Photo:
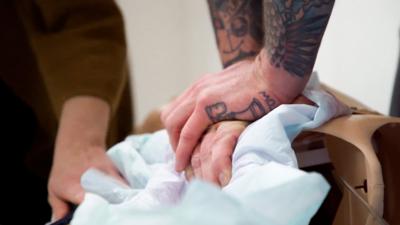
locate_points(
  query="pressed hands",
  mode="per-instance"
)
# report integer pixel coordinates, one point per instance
(269, 49)
(237, 95)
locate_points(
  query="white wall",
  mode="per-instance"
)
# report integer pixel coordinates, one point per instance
(359, 53)
(172, 43)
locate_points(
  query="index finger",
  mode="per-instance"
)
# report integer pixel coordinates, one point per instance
(190, 135)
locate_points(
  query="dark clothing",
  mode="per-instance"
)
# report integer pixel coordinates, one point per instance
(50, 51)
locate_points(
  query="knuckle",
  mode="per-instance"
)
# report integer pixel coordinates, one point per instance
(208, 75)
(167, 123)
(197, 86)
(205, 155)
(216, 161)
(203, 99)
(202, 84)
(187, 136)
(221, 142)
(225, 137)
(220, 163)
(220, 137)
(174, 129)
(171, 127)
(195, 161)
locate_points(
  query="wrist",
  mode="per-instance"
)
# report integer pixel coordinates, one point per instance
(83, 124)
(228, 60)
(281, 84)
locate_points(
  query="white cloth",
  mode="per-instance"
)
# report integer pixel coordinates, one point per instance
(266, 186)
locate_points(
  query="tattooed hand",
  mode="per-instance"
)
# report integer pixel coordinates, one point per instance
(250, 88)
(244, 91)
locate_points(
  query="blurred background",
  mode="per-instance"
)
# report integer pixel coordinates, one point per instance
(172, 44)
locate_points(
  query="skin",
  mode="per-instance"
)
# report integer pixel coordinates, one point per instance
(80, 145)
(253, 83)
(212, 158)
(251, 87)
(239, 33)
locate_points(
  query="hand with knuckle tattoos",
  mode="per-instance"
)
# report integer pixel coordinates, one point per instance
(243, 91)
(269, 49)
(212, 157)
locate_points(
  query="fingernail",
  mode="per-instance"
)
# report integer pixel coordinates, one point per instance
(79, 197)
(189, 173)
(224, 177)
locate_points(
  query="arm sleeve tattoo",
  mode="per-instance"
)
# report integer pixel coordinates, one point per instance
(238, 28)
(293, 32)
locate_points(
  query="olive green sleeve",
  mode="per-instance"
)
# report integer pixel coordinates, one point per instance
(80, 47)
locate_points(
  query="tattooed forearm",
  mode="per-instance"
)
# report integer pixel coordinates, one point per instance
(238, 28)
(293, 32)
(219, 111)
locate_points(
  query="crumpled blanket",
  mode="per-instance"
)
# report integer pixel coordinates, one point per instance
(266, 185)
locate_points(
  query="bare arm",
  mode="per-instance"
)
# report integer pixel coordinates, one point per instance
(80, 144)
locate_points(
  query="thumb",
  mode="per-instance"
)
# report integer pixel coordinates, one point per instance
(75, 194)
(59, 208)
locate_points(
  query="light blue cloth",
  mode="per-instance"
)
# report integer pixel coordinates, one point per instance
(266, 186)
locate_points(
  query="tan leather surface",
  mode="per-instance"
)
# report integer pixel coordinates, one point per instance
(359, 130)
(351, 102)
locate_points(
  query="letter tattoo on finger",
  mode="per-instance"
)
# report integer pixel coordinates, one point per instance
(219, 111)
